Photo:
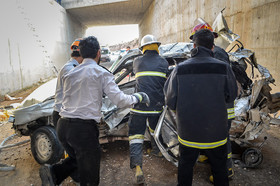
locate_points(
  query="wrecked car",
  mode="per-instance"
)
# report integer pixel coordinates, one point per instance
(252, 108)
(34, 118)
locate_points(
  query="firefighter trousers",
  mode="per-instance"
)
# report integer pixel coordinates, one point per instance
(137, 127)
(217, 158)
(229, 153)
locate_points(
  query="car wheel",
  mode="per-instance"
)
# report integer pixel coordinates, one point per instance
(45, 146)
(252, 157)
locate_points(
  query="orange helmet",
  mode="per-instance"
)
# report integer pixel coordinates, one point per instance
(75, 44)
(200, 26)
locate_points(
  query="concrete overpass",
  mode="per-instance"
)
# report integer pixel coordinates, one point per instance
(107, 12)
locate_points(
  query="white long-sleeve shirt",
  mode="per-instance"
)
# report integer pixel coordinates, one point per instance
(59, 85)
(83, 90)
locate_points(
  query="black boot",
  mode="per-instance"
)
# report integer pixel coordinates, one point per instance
(47, 176)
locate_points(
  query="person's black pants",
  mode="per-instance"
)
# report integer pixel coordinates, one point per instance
(217, 158)
(229, 153)
(55, 116)
(80, 140)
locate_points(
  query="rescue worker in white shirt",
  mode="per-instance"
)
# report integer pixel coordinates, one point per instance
(222, 55)
(150, 73)
(77, 130)
(75, 60)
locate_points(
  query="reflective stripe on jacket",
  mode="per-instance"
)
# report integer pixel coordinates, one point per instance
(150, 73)
(202, 145)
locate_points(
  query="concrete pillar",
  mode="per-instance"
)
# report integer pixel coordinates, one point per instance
(36, 36)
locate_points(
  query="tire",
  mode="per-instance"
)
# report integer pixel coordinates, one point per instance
(252, 157)
(45, 146)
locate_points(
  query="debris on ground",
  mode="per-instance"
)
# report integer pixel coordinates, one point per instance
(6, 112)
(4, 167)
(4, 116)
(9, 98)
(2, 145)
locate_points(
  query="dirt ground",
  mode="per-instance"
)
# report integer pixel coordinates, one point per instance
(158, 171)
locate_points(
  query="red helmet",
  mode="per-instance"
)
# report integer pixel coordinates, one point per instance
(200, 26)
(75, 44)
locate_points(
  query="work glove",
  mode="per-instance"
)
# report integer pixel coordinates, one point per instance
(142, 97)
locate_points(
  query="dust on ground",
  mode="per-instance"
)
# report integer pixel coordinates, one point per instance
(115, 164)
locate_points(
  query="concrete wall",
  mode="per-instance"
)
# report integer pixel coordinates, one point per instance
(34, 36)
(256, 21)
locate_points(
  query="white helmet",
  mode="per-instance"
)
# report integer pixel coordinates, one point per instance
(147, 40)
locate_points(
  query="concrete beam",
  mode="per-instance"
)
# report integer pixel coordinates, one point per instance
(70, 4)
(107, 12)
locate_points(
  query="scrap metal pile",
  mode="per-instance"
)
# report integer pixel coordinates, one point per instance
(255, 106)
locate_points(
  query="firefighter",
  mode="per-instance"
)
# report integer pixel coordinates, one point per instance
(198, 90)
(222, 55)
(75, 60)
(150, 73)
(77, 130)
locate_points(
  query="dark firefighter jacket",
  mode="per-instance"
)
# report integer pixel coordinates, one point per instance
(150, 73)
(222, 55)
(198, 89)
